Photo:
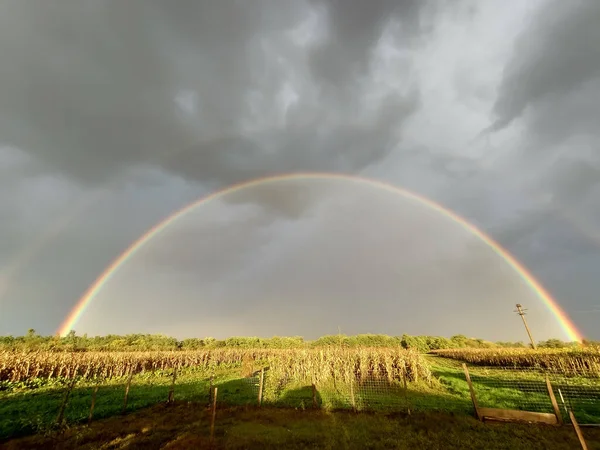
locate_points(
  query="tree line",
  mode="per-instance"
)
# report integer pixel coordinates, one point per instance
(147, 342)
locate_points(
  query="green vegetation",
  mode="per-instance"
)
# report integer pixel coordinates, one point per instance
(150, 342)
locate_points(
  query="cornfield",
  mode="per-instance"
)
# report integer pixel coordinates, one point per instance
(322, 365)
(568, 361)
(317, 364)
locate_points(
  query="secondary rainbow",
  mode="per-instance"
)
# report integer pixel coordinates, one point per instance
(564, 321)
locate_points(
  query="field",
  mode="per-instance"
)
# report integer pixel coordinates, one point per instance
(35, 386)
(568, 361)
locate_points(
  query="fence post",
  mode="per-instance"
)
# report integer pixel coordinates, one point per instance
(171, 391)
(352, 399)
(578, 431)
(212, 420)
(554, 402)
(472, 391)
(93, 404)
(127, 386)
(314, 396)
(260, 386)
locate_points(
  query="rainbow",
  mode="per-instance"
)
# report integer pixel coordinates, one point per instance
(564, 321)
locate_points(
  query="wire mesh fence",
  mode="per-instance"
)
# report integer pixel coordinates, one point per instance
(524, 389)
(358, 394)
(527, 389)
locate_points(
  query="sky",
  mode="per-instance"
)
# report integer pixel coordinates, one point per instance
(114, 115)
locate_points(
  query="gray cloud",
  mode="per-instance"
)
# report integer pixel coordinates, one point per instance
(550, 89)
(556, 55)
(96, 93)
(352, 34)
(53, 253)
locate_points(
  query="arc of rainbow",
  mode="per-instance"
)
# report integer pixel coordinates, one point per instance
(563, 319)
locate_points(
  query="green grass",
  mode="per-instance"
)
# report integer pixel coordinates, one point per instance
(187, 425)
(26, 411)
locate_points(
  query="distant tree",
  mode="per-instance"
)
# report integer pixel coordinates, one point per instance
(556, 343)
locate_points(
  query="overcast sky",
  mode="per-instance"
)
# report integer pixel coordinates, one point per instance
(113, 115)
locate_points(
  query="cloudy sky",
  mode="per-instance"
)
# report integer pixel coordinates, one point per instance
(114, 115)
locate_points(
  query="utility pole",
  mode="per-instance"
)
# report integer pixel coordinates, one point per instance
(520, 311)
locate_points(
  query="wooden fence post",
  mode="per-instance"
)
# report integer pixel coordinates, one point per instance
(127, 386)
(578, 431)
(554, 402)
(314, 396)
(472, 391)
(92, 406)
(260, 386)
(172, 390)
(212, 420)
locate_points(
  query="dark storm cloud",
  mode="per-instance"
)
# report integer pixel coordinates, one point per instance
(341, 147)
(90, 88)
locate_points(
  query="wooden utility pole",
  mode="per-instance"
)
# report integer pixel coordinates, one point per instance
(520, 311)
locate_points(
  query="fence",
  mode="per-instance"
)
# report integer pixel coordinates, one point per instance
(526, 389)
(447, 390)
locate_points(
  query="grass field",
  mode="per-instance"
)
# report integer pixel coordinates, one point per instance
(359, 379)
(522, 388)
(185, 426)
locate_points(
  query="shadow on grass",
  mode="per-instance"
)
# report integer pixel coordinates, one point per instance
(238, 392)
(301, 397)
(245, 392)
